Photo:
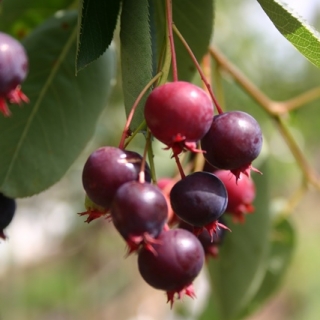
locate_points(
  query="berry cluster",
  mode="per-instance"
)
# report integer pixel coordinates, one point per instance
(13, 71)
(173, 225)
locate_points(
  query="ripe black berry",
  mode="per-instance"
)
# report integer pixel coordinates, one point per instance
(233, 142)
(177, 261)
(199, 199)
(7, 210)
(13, 70)
(139, 212)
(107, 169)
(179, 114)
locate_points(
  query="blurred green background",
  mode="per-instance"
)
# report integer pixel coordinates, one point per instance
(55, 266)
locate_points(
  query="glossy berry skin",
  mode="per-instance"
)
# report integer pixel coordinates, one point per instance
(7, 210)
(199, 199)
(178, 260)
(139, 212)
(179, 114)
(13, 71)
(106, 169)
(241, 194)
(233, 141)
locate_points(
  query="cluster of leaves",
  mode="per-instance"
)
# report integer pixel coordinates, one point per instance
(72, 66)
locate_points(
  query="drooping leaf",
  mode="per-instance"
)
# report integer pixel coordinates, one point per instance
(238, 272)
(95, 30)
(294, 28)
(19, 17)
(136, 54)
(282, 248)
(41, 140)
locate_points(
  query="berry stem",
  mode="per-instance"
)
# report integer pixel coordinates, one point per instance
(134, 107)
(171, 40)
(179, 166)
(143, 162)
(197, 65)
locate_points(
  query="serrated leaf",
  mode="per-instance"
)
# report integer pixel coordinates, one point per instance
(41, 140)
(283, 240)
(136, 55)
(238, 272)
(19, 17)
(293, 28)
(97, 24)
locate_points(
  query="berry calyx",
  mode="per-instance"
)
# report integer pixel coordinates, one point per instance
(7, 211)
(179, 114)
(177, 261)
(13, 71)
(233, 141)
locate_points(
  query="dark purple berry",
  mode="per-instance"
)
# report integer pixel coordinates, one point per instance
(13, 71)
(107, 169)
(233, 142)
(199, 199)
(139, 212)
(176, 261)
(179, 114)
(7, 210)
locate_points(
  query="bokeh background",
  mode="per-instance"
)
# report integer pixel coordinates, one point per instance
(54, 266)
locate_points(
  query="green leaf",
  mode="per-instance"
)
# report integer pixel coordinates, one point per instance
(283, 240)
(19, 17)
(41, 140)
(136, 55)
(194, 19)
(97, 24)
(292, 27)
(238, 272)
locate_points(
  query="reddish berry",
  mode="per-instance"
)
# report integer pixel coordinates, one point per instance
(177, 259)
(233, 142)
(139, 212)
(241, 193)
(13, 71)
(179, 114)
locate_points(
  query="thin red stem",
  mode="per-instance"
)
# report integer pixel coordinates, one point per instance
(196, 63)
(179, 167)
(134, 107)
(171, 40)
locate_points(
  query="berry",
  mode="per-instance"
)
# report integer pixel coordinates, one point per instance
(7, 210)
(233, 142)
(199, 199)
(139, 212)
(209, 243)
(13, 71)
(179, 114)
(106, 169)
(177, 261)
(241, 194)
